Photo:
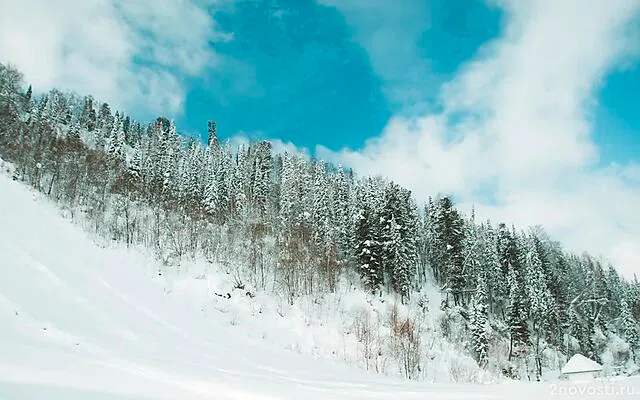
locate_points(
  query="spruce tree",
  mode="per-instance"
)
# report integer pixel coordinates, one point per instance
(322, 210)
(211, 198)
(368, 251)
(116, 143)
(479, 323)
(240, 183)
(496, 280)
(399, 258)
(105, 119)
(224, 176)
(516, 315)
(539, 299)
(287, 192)
(341, 216)
(261, 183)
(449, 236)
(212, 135)
(630, 329)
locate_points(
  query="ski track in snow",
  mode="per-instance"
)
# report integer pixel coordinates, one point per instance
(81, 322)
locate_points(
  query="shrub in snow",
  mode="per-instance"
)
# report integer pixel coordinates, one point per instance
(423, 303)
(406, 343)
(366, 328)
(616, 355)
(464, 371)
(453, 325)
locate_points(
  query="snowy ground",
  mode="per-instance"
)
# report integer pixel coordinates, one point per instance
(323, 326)
(81, 322)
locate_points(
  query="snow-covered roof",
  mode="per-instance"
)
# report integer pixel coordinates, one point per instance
(580, 363)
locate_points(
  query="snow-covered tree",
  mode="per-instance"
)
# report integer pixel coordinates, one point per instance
(540, 301)
(516, 315)
(479, 323)
(630, 328)
(116, 142)
(449, 258)
(369, 250)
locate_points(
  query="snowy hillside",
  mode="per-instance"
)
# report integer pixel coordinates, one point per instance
(81, 322)
(312, 258)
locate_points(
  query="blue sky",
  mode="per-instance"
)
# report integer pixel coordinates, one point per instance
(300, 78)
(300, 75)
(617, 128)
(305, 79)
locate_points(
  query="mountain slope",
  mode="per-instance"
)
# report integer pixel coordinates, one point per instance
(352, 268)
(79, 318)
(80, 322)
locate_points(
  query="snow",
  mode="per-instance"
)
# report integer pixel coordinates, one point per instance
(580, 363)
(82, 322)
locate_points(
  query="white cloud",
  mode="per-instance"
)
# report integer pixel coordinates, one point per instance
(526, 132)
(101, 47)
(389, 31)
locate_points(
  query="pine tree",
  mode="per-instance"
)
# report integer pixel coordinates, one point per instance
(192, 187)
(322, 210)
(389, 215)
(286, 209)
(224, 175)
(472, 252)
(508, 257)
(614, 292)
(105, 119)
(212, 137)
(126, 127)
(87, 118)
(368, 251)
(539, 299)
(135, 133)
(136, 165)
(479, 323)
(410, 237)
(341, 220)
(240, 182)
(28, 95)
(428, 249)
(211, 199)
(398, 231)
(400, 275)
(516, 315)
(261, 177)
(591, 305)
(496, 280)
(116, 142)
(449, 236)
(630, 329)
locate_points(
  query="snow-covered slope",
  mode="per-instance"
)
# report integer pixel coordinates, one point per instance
(81, 322)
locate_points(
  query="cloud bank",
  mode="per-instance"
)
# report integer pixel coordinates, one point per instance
(133, 54)
(515, 136)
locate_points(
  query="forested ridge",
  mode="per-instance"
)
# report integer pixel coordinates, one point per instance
(300, 226)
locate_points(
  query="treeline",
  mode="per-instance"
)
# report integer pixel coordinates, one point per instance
(300, 226)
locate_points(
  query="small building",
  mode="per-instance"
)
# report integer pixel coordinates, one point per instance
(581, 368)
